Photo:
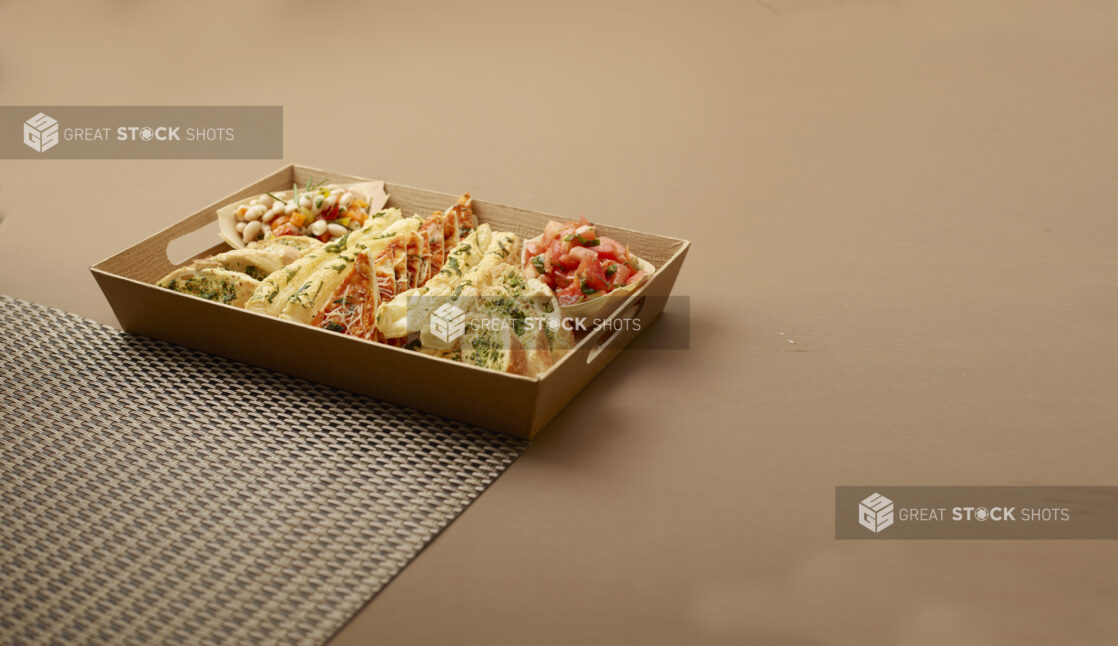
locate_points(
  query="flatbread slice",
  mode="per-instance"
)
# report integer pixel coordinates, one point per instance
(277, 289)
(311, 296)
(211, 283)
(257, 263)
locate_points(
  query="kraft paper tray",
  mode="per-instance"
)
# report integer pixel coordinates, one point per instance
(511, 404)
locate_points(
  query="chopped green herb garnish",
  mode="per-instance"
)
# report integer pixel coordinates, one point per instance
(458, 290)
(515, 283)
(338, 245)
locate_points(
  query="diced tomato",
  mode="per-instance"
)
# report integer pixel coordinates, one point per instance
(617, 273)
(592, 274)
(571, 294)
(583, 254)
(577, 263)
(584, 236)
(610, 249)
(567, 261)
(325, 237)
(562, 278)
(535, 247)
(636, 278)
(550, 234)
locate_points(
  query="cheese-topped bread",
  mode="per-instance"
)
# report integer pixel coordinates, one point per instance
(301, 244)
(257, 263)
(315, 292)
(531, 310)
(277, 289)
(493, 348)
(406, 312)
(211, 283)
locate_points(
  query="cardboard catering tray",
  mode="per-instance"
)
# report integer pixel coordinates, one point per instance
(511, 404)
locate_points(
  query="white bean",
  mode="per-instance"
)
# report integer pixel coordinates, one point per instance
(318, 228)
(304, 201)
(252, 230)
(240, 227)
(277, 205)
(331, 200)
(241, 212)
(354, 225)
(271, 215)
(346, 198)
(254, 213)
(290, 207)
(336, 230)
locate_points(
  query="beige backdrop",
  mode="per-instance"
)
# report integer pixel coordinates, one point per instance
(922, 195)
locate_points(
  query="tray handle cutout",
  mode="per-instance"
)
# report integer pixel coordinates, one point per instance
(607, 337)
(189, 245)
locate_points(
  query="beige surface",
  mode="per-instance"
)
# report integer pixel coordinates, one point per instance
(921, 195)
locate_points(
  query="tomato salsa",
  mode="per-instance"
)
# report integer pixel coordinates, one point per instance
(578, 264)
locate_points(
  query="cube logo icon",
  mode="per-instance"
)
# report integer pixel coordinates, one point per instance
(875, 513)
(40, 133)
(448, 323)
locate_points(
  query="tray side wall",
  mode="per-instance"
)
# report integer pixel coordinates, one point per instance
(485, 398)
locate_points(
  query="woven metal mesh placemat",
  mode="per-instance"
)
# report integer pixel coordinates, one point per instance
(154, 494)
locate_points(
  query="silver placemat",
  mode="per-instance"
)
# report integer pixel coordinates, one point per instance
(154, 494)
